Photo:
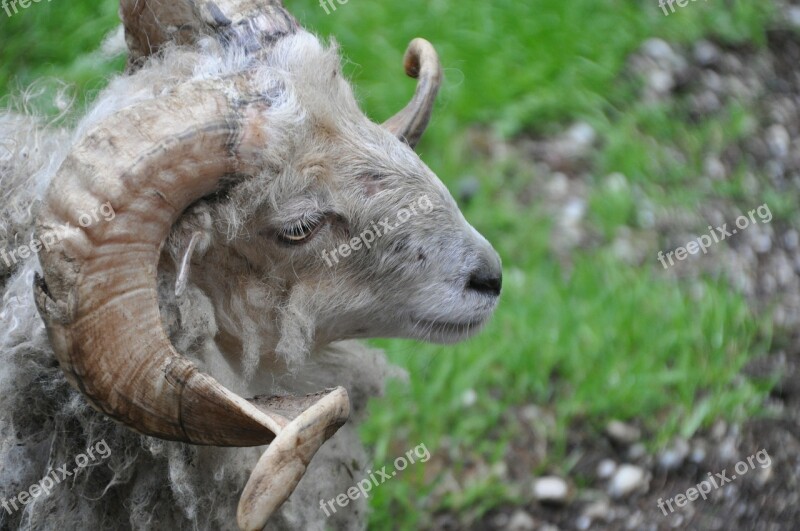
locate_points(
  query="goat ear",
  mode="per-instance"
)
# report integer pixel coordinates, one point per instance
(190, 238)
(185, 264)
(421, 62)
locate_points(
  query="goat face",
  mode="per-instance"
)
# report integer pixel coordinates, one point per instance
(363, 237)
(382, 245)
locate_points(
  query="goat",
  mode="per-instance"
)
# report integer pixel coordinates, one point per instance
(232, 154)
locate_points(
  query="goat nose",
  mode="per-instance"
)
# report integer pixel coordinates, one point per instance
(486, 280)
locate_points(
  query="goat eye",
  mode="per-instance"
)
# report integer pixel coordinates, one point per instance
(301, 230)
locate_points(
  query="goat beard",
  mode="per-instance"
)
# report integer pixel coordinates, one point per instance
(297, 324)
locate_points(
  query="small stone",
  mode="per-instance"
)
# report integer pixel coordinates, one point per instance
(793, 16)
(637, 451)
(550, 489)
(706, 53)
(531, 413)
(558, 185)
(606, 468)
(658, 49)
(698, 454)
(469, 398)
(727, 450)
(661, 81)
(791, 240)
(714, 168)
(676, 520)
(762, 243)
(627, 479)
(719, 430)
(521, 521)
(763, 476)
(616, 183)
(500, 521)
(581, 136)
(778, 140)
(673, 457)
(597, 510)
(622, 433)
(573, 212)
(500, 470)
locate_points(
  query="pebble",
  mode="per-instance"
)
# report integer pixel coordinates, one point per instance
(606, 468)
(622, 433)
(698, 454)
(616, 183)
(791, 239)
(469, 398)
(558, 186)
(660, 81)
(673, 457)
(727, 450)
(627, 479)
(550, 489)
(719, 430)
(637, 451)
(762, 243)
(778, 140)
(706, 53)
(573, 212)
(793, 16)
(581, 136)
(658, 49)
(598, 509)
(714, 168)
(521, 521)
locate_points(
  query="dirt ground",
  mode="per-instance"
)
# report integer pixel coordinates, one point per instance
(763, 264)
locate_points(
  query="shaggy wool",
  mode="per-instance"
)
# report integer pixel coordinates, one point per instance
(146, 483)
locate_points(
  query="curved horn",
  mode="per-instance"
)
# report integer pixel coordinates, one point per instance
(149, 24)
(421, 62)
(98, 297)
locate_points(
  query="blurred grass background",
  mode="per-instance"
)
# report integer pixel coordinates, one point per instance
(603, 340)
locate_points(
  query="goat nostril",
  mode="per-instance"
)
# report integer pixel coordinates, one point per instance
(486, 282)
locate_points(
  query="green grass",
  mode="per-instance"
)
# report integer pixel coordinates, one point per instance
(591, 340)
(598, 341)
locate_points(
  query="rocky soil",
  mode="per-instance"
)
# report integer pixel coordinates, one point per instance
(625, 482)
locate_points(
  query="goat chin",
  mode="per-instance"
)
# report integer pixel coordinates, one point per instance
(144, 483)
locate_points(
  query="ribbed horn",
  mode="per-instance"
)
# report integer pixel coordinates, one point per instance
(98, 295)
(149, 24)
(421, 62)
